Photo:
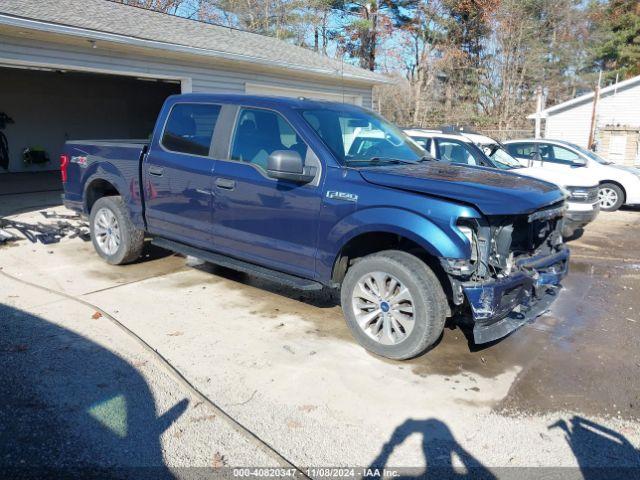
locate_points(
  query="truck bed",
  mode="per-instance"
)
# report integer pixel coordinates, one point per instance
(116, 161)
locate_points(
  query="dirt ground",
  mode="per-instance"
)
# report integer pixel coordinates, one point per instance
(562, 394)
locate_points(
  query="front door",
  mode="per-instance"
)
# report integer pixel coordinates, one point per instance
(259, 219)
(555, 157)
(178, 176)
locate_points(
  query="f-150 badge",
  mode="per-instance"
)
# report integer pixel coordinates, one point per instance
(347, 197)
(82, 161)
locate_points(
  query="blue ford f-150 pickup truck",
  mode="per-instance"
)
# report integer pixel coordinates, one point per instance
(281, 188)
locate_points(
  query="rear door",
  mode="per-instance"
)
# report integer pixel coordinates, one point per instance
(177, 174)
(257, 218)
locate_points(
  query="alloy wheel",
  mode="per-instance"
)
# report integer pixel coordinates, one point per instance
(107, 231)
(383, 307)
(608, 197)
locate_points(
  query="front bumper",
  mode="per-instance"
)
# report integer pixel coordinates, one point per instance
(574, 219)
(501, 306)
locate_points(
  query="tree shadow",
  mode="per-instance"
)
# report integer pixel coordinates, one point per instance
(71, 408)
(601, 453)
(439, 447)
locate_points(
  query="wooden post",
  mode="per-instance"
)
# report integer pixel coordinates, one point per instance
(538, 112)
(594, 111)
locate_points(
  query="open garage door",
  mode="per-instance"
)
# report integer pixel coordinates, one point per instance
(49, 107)
(260, 89)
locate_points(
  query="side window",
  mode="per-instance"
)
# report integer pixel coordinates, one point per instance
(563, 155)
(259, 133)
(455, 152)
(424, 142)
(522, 150)
(546, 152)
(189, 128)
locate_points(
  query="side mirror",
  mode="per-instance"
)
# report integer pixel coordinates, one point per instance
(288, 165)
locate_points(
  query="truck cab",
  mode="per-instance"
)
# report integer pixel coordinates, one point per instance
(296, 191)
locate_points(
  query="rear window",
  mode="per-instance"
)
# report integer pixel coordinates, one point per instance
(189, 128)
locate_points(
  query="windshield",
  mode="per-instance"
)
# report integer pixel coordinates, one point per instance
(359, 137)
(592, 155)
(499, 156)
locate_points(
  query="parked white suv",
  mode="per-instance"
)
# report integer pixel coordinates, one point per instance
(480, 150)
(619, 185)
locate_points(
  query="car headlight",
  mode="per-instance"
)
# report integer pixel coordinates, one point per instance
(578, 194)
(583, 194)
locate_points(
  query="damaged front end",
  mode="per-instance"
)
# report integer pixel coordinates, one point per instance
(514, 270)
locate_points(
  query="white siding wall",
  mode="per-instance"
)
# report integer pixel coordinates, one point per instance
(573, 123)
(204, 78)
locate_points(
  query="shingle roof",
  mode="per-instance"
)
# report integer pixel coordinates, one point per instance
(170, 30)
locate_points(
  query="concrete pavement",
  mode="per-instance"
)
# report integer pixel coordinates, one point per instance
(560, 393)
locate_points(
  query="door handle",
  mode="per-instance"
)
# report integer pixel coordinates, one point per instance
(225, 183)
(154, 170)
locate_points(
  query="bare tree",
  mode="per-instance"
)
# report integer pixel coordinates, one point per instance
(166, 6)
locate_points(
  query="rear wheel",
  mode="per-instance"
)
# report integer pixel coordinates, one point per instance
(114, 236)
(394, 304)
(611, 197)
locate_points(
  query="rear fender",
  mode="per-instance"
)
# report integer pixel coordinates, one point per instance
(130, 192)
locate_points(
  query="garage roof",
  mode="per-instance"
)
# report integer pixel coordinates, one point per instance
(111, 21)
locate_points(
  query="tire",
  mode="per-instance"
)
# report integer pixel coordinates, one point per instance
(385, 335)
(109, 218)
(611, 197)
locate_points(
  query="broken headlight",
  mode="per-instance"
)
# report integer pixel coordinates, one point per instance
(470, 233)
(464, 266)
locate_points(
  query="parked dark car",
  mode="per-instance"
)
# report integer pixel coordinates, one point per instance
(271, 186)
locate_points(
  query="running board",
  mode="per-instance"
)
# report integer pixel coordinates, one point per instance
(234, 264)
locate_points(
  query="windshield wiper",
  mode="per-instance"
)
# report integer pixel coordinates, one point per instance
(378, 160)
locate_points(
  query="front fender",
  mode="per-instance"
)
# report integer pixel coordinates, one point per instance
(439, 240)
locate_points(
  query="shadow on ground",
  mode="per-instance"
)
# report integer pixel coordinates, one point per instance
(439, 448)
(69, 407)
(600, 452)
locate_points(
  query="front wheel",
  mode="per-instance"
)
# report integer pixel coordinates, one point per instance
(611, 197)
(394, 304)
(114, 236)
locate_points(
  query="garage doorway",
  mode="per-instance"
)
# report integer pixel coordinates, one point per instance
(49, 107)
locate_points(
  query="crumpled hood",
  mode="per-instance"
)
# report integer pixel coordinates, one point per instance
(492, 192)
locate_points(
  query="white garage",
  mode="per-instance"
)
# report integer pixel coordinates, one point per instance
(99, 69)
